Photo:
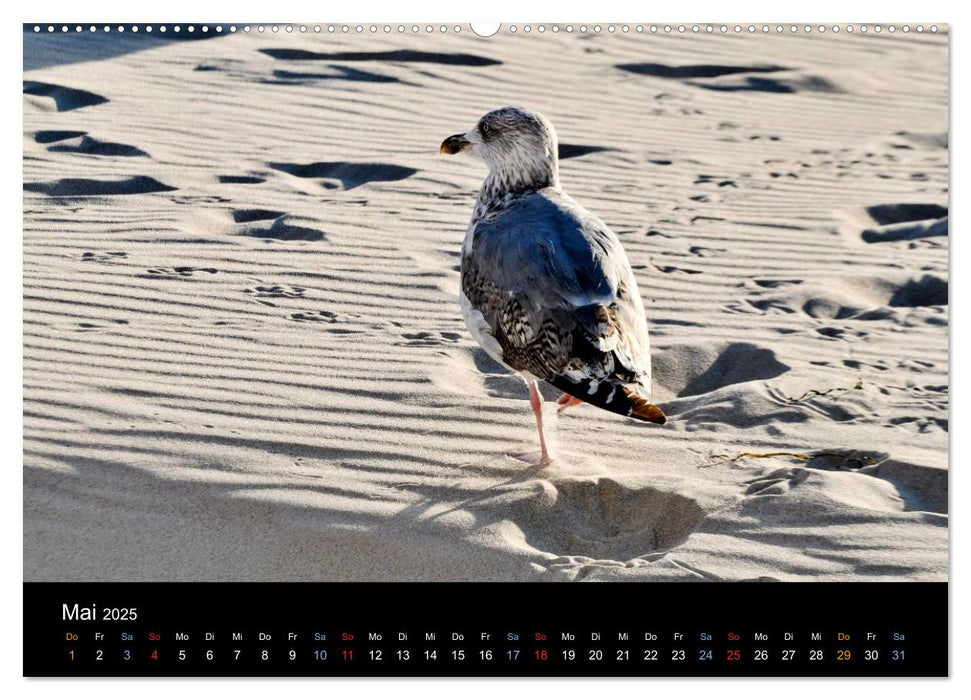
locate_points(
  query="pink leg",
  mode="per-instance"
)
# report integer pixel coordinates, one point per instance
(536, 401)
(566, 401)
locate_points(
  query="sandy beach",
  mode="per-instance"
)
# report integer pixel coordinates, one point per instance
(244, 357)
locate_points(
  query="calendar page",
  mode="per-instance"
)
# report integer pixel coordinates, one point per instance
(520, 349)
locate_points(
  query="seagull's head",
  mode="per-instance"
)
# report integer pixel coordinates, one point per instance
(516, 143)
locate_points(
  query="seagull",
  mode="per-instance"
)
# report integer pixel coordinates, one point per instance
(546, 288)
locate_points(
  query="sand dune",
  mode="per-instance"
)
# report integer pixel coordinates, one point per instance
(244, 357)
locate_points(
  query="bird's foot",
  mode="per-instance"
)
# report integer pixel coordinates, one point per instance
(534, 460)
(566, 401)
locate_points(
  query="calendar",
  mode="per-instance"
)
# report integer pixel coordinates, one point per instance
(515, 349)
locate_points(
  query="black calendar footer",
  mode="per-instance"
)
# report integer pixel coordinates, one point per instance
(485, 629)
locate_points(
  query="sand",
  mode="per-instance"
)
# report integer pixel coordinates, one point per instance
(244, 357)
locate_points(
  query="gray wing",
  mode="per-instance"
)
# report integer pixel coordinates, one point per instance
(554, 284)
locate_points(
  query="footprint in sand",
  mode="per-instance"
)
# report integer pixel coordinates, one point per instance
(690, 370)
(849, 297)
(717, 180)
(838, 403)
(80, 142)
(430, 338)
(176, 272)
(603, 519)
(920, 424)
(247, 216)
(106, 257)
(281, 227)
(778, 482)
(55, 136)
(84, 187)
(885, 214)
(837, 333)
(703, 252)
(342, 73)
(240, 179)
(739, 78)
(671, 269)
(781, 482)
(773, 284)
(571, 150)
(399, 56)
(60, 98)
(906, 222)
(314, 317)
(929, 290)
(349, 175)
(787, 85)
(88, 327)
(275, 291)
(660, 70)
(878, 365)
(916, 487)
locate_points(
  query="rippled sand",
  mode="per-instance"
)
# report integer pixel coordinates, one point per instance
(244, 357)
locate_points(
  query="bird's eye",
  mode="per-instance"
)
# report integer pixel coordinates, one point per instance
(486, 131)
